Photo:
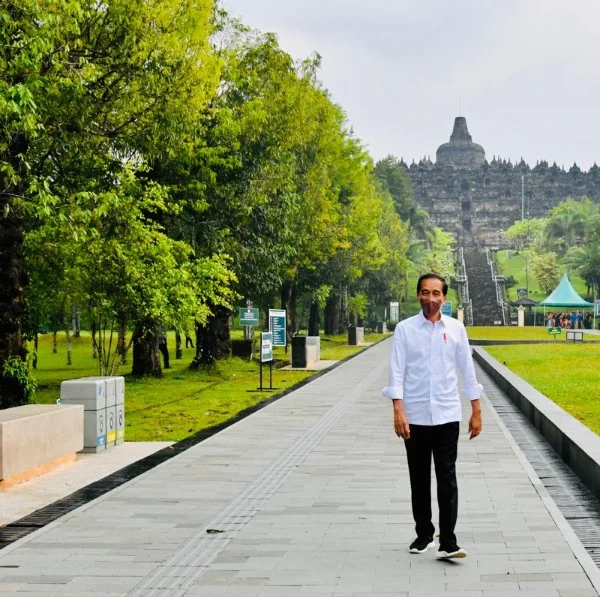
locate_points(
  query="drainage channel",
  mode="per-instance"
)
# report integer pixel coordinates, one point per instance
(575, 501)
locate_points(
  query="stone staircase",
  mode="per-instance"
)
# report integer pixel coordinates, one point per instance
(482, 289)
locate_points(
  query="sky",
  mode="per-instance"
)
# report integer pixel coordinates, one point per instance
(524, 73)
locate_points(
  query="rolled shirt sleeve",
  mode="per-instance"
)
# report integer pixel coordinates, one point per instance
(395, 388)
(464, 360)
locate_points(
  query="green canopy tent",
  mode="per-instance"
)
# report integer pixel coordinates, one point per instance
(564, 295)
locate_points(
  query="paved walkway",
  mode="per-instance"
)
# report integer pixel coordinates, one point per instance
(308, 497)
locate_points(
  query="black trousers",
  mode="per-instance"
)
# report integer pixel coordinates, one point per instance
(441, 441)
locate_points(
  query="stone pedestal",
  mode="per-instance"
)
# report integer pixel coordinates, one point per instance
(460, 313)
(521, 317)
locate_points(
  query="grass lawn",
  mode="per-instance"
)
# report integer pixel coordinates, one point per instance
(183, 401)
(567, 373)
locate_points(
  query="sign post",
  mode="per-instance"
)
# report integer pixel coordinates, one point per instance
(266, 356)
(278, 326)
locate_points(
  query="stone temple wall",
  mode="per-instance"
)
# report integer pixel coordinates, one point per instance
(477, 203)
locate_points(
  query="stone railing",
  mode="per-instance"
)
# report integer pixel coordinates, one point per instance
(499, 284)
(463, 280)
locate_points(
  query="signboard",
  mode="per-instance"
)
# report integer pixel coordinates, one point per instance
(394, 311)
(266, 347)
(597, 308)
(555, 331)
(277, 326)
(447, 308)
(248, 316)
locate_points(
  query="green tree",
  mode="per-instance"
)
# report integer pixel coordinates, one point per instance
(585, 262)
(392, 176)
(547, 270)
(88, 89)
(567, 224)
(524, 233)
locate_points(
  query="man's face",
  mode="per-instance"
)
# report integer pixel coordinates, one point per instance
(431, 296)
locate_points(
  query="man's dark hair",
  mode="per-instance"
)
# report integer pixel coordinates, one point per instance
(435, 277)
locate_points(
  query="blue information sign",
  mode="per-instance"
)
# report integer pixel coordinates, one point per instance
(277, 325)
(447, 308)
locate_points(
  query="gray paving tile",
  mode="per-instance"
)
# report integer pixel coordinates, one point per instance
(337, 521)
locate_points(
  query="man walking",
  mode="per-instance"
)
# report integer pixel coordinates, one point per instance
(428, 352)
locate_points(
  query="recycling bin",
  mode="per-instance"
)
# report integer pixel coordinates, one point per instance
(91, 393)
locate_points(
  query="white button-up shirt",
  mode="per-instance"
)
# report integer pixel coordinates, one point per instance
(424, 366)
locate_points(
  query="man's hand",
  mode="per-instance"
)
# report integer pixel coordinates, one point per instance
(401, 426)
(475, 420)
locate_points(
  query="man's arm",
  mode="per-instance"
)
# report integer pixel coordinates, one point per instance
(395, 390)
(401, 425)
(472, 388)
(475, 420)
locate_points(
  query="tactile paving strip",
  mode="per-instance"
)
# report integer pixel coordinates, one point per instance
(174, 576)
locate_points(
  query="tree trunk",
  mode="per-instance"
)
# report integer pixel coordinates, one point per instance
(206, 349)
(288, 303)
(69, 353)
(330, 311)
(314, 319)
(146, 361)
(94, 349)
(122, 343)
(12, 273)
(35, 356)
(54, 342)
(213, 340)
(76, 321)
(178, 347)
(343, 328)
(222, 326)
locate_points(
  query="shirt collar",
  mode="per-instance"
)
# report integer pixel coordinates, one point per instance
(423, 320)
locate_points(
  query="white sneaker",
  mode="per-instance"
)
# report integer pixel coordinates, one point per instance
(457, 552)
(421, 545)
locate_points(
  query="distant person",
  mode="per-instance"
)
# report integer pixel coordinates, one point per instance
(188, 341)
(579, 319)
(429, 351)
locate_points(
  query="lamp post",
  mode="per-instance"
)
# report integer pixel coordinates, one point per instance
(527, 259)
(522, 196)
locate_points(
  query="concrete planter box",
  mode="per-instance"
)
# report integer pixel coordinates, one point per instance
(35, 436)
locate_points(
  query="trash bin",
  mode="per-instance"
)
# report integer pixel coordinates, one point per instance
(299, 351)
(92, 394)
(120, 385)
(313, 349)
(356, 335)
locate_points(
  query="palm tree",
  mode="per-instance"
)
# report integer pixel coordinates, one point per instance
(566, 229)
